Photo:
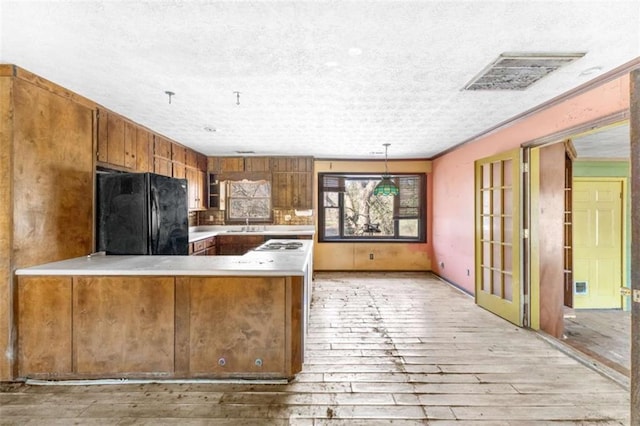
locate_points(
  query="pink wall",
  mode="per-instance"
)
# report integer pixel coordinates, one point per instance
(453, 173)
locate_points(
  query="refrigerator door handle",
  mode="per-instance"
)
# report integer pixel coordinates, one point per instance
(155, 222)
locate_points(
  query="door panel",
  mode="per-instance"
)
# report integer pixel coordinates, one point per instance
(497, 215)
(597, 207)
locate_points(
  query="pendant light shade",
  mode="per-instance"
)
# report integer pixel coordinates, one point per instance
(386, 185)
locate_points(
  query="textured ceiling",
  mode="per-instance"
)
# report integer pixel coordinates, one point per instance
(332, 79)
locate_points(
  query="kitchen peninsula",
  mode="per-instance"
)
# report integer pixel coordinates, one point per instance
(172, 317)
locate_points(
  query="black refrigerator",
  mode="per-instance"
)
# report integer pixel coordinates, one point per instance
(142, 213)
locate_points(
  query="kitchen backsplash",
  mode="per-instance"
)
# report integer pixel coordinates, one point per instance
(280, 216)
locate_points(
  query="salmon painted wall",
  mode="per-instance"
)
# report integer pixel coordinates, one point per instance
(453, 173)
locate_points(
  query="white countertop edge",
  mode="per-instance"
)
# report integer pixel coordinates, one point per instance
(254, 263)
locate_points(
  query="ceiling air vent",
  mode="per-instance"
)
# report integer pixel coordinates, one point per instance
(517, 71)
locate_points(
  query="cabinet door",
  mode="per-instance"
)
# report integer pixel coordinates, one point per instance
(143, 150)
(103, 136)
(179, 170)
(178, 153)
(162, 166)
(123, 325)
(115, 138)
(192, 159)
(192, 188)
(231, 164)
(236, 325)
(129, 145)
(201, 194)
(256, 164)
(161, 147)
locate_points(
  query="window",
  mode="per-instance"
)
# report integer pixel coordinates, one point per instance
(248, 200)
(348, 210)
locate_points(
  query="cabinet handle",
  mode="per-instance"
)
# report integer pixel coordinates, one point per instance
(222, 362)
(258, 362)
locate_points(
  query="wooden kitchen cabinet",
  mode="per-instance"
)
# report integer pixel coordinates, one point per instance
(123, 325)
(116, 141)
(292, 182)
(162, 164)
(45, 326)
(144, 149)
(239, 164)
(196, 189)
(204, 247)
(93, 327)
(236, 326)
(237, 244)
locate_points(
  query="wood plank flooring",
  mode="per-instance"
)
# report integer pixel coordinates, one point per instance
(604, 334)
(383, 348)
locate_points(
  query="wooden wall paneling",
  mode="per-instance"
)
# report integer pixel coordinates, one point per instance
(54, 175)
(6, 217)
(143, 150)
(123, 325)
(551, 236)
(240, 320)
(44, 327)
(280, 193)
(162, 166)
(115, 138)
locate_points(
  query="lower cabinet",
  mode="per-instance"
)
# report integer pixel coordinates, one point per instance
(238, 244)
(72, 327)
(235, 326)
(204, 247)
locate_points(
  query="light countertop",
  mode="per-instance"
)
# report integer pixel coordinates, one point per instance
(254, 263)
(201, 232)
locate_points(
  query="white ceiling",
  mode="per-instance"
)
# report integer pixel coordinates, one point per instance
(332, 79)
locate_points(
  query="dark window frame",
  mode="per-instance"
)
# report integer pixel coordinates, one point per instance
(421, 216)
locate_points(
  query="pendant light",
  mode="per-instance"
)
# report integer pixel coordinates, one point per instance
(386, 185)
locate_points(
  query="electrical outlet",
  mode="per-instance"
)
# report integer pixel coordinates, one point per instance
(370, 256)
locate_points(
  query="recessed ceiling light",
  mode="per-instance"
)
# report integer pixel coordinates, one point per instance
(209, 129)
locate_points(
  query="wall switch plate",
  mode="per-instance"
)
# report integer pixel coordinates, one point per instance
(636, 296)
(370, 256)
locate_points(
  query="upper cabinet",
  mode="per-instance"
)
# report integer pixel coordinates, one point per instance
(122, 145)
(239, 164)
(292, 182)
(291, 177)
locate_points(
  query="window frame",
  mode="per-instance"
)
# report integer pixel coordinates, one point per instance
(396, 238)
(228, 200)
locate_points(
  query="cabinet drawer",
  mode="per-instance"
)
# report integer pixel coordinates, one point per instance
(210, 242)
(199, 245)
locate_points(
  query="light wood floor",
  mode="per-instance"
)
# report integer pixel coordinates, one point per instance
(604, 334)
(401, 349)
